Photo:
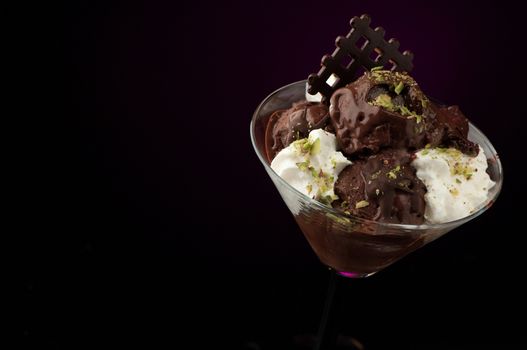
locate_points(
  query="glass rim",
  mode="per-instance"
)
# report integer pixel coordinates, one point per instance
(427, 226)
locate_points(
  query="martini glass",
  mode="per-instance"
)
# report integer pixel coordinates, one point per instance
(350, 246)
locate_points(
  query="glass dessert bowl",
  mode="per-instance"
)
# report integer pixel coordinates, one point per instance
(354, 246)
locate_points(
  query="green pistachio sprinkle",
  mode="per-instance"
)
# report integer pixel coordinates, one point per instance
(309, 188)
(315, 147)
(303, 166)
(452, 152)
(392, 174)
(457, 166)
(313, 172)
(344, 204)
(399, 88)
(404, 110)
(334, 163)
(376, 68)
(361, 204)
(328, 199)
(385, 101)
(299, 145)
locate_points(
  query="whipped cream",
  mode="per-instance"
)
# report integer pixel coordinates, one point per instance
(312, 165)
(456, 184)
(318, 97)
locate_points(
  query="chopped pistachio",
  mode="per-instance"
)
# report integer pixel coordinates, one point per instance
(361, 204)
(376, 68)
(300, 145)
(303, 166)
(313, 171)
(385, 101)
(399, 88)
(458, 168)
(454, 191)
(328, 199)
(309, 188)
(333, 163)
(404, 110)
(392, 174)
(315, 147)
(458, 181)
(344, 204)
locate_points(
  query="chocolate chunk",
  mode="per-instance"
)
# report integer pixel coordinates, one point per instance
(452, 126)
(351, 58)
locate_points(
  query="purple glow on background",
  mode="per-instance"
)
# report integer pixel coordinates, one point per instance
(165, 183)
(349, 274)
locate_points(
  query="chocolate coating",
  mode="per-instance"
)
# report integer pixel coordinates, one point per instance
(387, 182)
(363, 128)
(286, 126)
(450, 128)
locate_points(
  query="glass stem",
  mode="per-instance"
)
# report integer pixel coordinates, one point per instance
(328, 328)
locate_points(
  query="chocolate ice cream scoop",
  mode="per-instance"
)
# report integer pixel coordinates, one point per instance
(286, 126)
(380, 109)
(388, 109)
(382, 187)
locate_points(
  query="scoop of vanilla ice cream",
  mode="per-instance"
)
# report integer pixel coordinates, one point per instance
(456, 184)
(318, 97)
(312, 165)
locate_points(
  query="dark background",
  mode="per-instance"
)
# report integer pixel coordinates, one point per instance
(159, 226)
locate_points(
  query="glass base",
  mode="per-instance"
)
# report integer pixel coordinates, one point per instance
(308, 341)
(354, 274)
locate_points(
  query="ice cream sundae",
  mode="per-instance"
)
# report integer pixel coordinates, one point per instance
(370, 166)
